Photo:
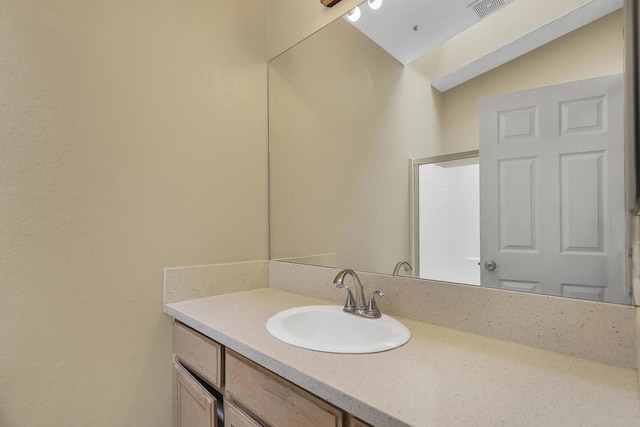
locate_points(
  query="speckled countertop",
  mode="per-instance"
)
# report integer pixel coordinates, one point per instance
(440, 377)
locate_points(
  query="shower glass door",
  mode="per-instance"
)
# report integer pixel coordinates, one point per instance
(446, 218)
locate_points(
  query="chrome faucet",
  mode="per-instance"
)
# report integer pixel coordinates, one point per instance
(407, 267)
(358, 305)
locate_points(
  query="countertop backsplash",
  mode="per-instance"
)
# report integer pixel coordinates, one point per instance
(595, 331)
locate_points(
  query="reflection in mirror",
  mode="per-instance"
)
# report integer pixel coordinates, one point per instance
(347, 122)
(447, 217)
(552, 199)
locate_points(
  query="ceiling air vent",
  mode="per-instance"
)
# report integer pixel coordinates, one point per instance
(484, 8)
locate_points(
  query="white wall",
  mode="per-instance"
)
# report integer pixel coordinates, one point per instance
(449, 217)
(133, 137)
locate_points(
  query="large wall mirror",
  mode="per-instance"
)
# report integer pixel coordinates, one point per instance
(406, 143)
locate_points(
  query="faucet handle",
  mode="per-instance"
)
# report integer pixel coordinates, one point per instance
(372, 308)
(350, 305)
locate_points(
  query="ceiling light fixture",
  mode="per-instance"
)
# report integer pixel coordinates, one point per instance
(375, 4)
(330, 3)
(354, 15)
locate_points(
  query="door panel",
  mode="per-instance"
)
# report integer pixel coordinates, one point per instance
(594, 293)
(518, 125)
(581, 202)
(517, 203)
(583, 115)
(552, 204)
(515, 285)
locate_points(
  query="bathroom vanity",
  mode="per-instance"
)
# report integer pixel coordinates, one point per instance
(202, 364)
(440, 377)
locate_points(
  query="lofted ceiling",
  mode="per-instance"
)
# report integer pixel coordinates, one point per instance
(451, 42)
(407, 29)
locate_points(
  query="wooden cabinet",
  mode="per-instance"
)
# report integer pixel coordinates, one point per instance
(273, 399)
(198, 372)
(194, 405)
(204, 371)
(198, 353)
(354, 422)
(235, 417)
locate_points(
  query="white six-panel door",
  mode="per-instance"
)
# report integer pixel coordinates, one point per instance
(552, 190)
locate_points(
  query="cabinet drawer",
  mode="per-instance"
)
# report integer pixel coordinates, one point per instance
(235, 417)
(273, 399)
(199, 353)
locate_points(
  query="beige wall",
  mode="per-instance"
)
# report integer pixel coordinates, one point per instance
(591, 51)
(133, 138)
(493, 32)
(290, 21)
(345, 118)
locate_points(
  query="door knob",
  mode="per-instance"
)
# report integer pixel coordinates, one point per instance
(490, 265)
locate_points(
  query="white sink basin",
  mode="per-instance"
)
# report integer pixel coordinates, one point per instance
(328, 328)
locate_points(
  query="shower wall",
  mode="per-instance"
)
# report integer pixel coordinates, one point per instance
(449, 211)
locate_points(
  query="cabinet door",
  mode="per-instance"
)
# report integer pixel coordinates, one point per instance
(194, 406)
(235, 417)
